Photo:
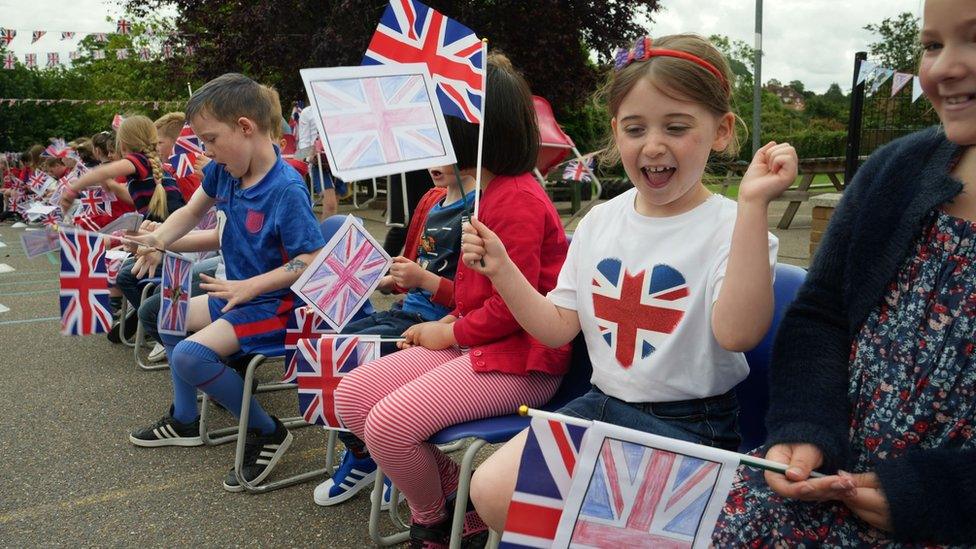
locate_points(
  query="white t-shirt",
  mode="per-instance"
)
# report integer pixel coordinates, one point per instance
(307, 132)
(644, 288)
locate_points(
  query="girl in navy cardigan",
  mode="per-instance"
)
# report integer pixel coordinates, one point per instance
(874, 367)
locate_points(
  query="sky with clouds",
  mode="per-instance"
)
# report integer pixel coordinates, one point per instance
(813, 41)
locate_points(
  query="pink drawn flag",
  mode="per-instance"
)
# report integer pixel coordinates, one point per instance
(174, 295)
(37, 243)
(343, 275)
(84, 285)
(322, 363)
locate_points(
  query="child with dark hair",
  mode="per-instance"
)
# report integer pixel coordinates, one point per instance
(267, 235)
(475, 362)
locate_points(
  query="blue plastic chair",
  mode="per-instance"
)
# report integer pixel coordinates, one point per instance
(753, 392)
(753, 395)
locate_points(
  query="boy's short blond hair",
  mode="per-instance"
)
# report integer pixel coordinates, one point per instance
(170, 124)
(230, 97)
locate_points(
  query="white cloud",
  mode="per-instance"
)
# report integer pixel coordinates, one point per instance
(813, 41)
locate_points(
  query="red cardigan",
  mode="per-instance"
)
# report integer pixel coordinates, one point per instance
(518, 210)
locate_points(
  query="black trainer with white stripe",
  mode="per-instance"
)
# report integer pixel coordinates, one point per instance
(261, 454)
(167, 432)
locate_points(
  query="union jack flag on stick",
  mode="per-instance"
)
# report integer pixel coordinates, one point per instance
(343, 275)
(84, 285)
(379, 120)
(410, 32)
(545, 475)
(185, 151)
(37, 243)
(174, 295)
(579, 171)
(322, 363)
(304, 324)
(637, 489)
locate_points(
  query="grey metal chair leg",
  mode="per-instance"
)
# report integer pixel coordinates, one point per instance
(140, 337)
(376, 500)
(296, 421)
(464, 487)
(122, 314)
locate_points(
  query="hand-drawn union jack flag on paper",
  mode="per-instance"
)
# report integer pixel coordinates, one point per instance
(322, 362)
(185, 152)
(375, 121)
(174, 295)
(545, 476)
(410, 32)
(645, 497)
(84, 285)
(637, 311)
(343, 275)
(304, 324)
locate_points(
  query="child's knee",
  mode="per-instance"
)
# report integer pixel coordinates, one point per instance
(385, 432)
(187, 356)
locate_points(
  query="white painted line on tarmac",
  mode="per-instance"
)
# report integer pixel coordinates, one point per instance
(4, 268)
(3, 308)
(29, 320)
(3, 245)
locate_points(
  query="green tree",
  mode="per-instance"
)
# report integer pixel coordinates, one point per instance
(897, 46)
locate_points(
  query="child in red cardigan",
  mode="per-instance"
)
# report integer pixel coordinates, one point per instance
(477, 361)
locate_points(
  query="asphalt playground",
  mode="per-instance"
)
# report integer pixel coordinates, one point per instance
(69, 476)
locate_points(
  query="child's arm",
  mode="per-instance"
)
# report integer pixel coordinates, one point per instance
(176, 225)
(543, 320)
(197, 241)
(744, 308)
(96, 176)
(119, 190)
(236, 292)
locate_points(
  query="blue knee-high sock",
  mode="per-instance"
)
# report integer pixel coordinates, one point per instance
(184, 395)
(200, 367)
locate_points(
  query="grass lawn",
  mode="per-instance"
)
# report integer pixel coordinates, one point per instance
(820, 180)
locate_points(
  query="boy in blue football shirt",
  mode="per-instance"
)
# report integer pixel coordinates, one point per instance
(267, 235)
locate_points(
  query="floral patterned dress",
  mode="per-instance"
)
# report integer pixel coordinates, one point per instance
(912, 386)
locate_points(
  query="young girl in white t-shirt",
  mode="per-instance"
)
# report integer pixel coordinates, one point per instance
(669, 283)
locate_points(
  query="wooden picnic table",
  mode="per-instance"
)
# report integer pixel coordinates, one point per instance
(809, 169)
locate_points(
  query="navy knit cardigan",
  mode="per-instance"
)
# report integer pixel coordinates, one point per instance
(931, 493)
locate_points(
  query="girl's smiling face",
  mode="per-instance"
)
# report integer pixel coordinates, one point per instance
(664, 145)
(948, 68)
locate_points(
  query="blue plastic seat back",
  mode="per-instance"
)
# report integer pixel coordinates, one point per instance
(753, 392)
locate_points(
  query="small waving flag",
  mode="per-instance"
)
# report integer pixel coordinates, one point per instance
(117, 121)
(53, 59)
(322, 363)
(343, 275)
(58, 148)
(121, 54)
(8, 35)
(545, 476)
(579, 171)
(37, 243)
(185, 152)
(67, 35)
(84, 285)
(37, 36)
(10, 60)
(30, 60)
(122, 27)
(174, 295)
(411, 32)
(304, 324)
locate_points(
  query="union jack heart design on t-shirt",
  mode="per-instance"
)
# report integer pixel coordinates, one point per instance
(636, 311)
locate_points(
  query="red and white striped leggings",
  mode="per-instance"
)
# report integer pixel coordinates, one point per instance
(396, 403)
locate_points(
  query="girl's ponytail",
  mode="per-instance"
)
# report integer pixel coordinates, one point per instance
(157, 204)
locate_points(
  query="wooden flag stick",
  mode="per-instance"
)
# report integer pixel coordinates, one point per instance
(752, 461)
(481, 125)
(83, 232)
